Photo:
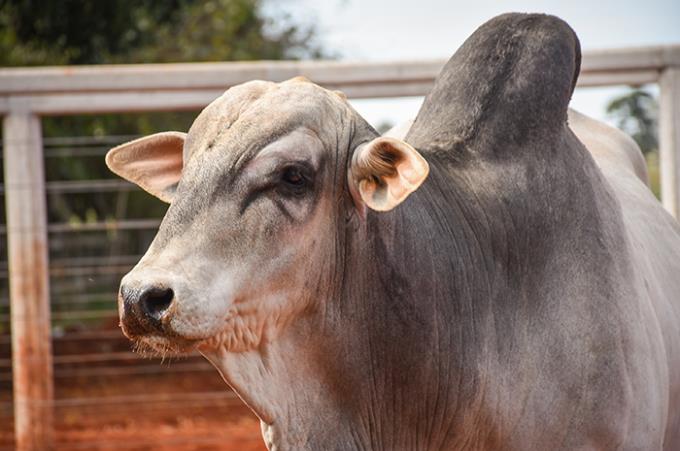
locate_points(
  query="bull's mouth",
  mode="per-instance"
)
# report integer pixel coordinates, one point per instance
(156, 345)
(155, 340)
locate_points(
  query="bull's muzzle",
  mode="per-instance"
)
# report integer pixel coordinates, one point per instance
(144, 308)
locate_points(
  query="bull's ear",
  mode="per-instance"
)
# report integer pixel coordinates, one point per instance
(384, 172)
(153, 162)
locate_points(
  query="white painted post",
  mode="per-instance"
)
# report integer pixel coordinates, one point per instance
(669, 139)
(26, 214)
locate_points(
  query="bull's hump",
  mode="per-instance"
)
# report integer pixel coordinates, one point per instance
(511, 80)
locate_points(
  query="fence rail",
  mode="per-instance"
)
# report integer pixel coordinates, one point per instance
(27, 94)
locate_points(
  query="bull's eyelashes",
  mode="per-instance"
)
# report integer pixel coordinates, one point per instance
(384, 172)
(284, 181)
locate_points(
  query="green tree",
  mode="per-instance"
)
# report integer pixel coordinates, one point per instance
(36, 32)
(636, 114)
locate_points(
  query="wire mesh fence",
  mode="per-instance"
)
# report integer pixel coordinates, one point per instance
(106, 396)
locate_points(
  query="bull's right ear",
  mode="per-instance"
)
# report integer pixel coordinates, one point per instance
(153, 162)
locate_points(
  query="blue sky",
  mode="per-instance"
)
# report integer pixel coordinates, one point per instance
(395, 30)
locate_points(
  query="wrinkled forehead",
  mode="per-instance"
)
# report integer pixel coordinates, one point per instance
(249, 116)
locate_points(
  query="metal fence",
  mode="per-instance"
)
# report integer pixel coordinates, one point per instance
(61, 301)
(104, 395)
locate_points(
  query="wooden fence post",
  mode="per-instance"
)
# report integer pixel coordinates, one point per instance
(669, 139)
(26, 215)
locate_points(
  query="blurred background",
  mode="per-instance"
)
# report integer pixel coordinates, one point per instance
(105, 396)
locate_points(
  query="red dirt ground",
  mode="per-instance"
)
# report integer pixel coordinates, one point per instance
(164, 408)
(226, 425)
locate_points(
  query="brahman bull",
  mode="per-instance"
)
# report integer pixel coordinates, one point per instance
(486, 283)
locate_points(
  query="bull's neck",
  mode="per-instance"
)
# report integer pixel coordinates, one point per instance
(294, 387)
(418, 280)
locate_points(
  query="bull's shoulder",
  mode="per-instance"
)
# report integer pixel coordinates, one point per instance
(609, 144)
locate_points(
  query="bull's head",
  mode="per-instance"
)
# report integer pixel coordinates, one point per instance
(259, 189)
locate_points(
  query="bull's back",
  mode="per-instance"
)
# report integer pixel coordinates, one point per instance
(654, 248)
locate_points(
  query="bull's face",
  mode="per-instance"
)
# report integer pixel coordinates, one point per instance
(259, 188)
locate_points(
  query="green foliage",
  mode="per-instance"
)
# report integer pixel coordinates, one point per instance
(36, 32)
(227, 30)
(636, 114)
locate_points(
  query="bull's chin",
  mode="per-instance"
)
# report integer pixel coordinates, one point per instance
(152, 345)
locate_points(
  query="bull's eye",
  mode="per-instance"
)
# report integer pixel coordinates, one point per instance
(293, 176)
(295, 180)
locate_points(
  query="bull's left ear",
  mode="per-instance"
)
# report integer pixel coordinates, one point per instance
(153, 162)
(384, 172)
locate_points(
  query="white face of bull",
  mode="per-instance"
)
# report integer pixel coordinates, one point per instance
(258, 188)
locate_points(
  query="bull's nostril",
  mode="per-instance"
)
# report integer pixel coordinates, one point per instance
(155, 301)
